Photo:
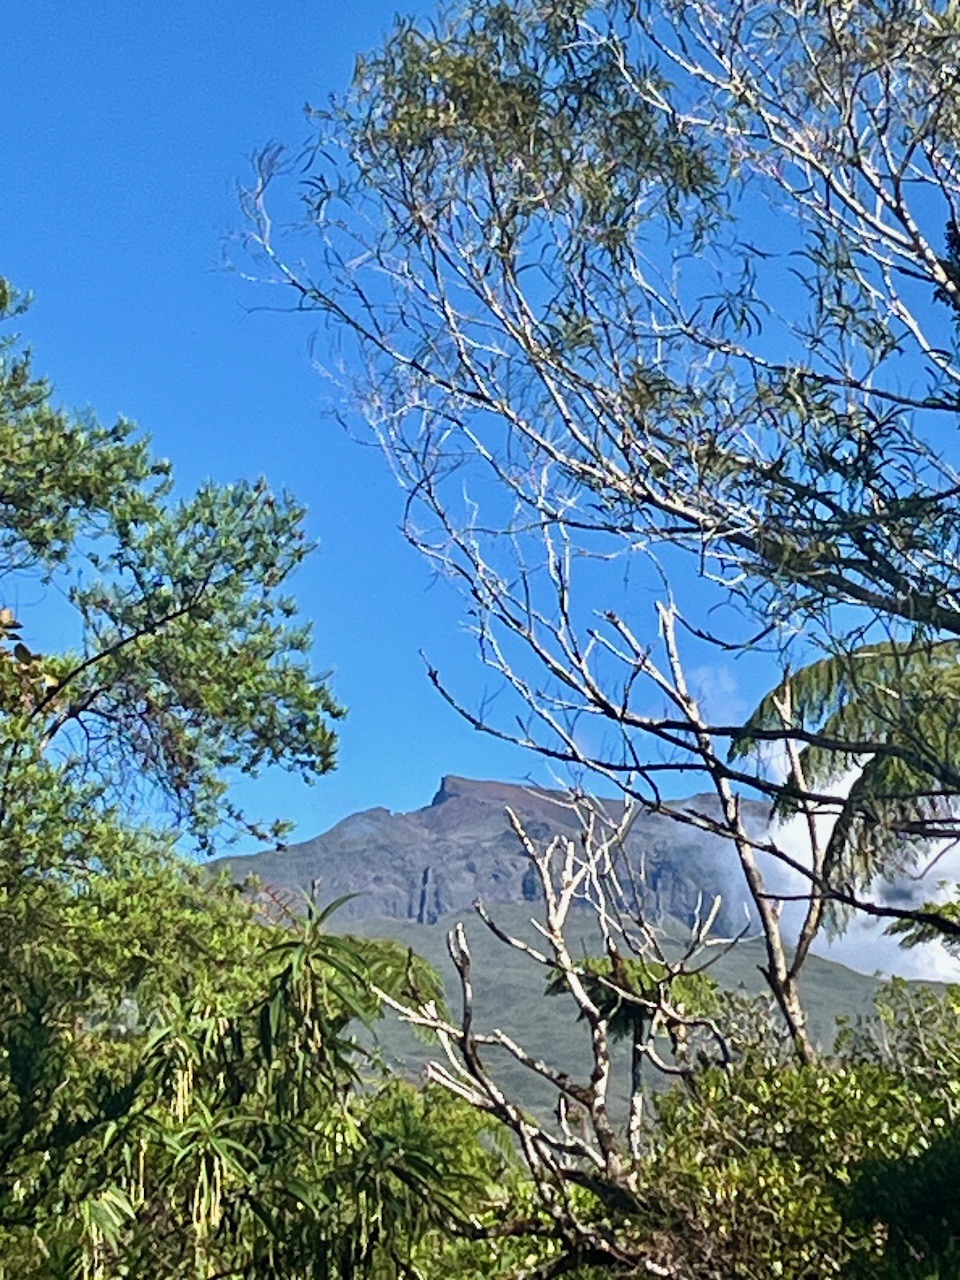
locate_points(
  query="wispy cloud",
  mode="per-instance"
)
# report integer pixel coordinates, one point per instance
(718, 692)
(864, 945)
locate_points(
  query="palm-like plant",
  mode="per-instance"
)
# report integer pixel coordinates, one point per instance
(891, 712)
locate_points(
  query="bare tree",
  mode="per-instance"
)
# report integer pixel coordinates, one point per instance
(657, 997)
(655, 311)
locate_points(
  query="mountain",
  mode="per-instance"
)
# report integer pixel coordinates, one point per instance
(509, 994)
(426, 868)
(422, 866)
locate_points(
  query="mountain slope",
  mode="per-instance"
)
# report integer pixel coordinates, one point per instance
(415, 874)
(510, 995)
(423, 865)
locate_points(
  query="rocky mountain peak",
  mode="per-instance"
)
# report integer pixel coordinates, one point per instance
(422, 865)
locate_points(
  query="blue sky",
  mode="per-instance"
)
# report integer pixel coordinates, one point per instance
(126, 128)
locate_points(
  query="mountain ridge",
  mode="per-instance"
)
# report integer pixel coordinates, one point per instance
(422, 865)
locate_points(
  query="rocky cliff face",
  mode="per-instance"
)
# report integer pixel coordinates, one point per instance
(423, 865)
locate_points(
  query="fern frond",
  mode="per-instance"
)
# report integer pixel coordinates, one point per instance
(892, 711)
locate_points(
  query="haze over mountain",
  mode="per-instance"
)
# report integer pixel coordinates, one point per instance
(433, 863)
(421, 866)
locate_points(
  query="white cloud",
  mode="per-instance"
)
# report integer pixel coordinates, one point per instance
(864, 945)
(718, 693)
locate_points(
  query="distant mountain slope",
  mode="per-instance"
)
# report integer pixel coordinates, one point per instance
(510, 995)
(424, 865)
(426, 868)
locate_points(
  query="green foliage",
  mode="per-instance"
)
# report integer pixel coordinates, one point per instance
(892, 712)
(768, 1167)
(181, 1091)
(189, 663)
(632, 991)
(757, 1156)
(915, 1200)
(61, 476)
(506, 94)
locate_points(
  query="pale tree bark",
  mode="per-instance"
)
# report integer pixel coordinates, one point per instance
(585, 1145)
(653, 310)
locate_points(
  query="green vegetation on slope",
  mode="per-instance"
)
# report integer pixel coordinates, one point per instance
(179, 1092)
(511, 995)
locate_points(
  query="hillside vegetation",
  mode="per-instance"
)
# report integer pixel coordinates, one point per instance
(654, 309)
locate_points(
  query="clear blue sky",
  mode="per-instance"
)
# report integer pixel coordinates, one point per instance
(126, 128)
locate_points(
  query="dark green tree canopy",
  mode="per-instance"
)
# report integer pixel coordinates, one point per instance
(181, 1090)
(190, 664)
